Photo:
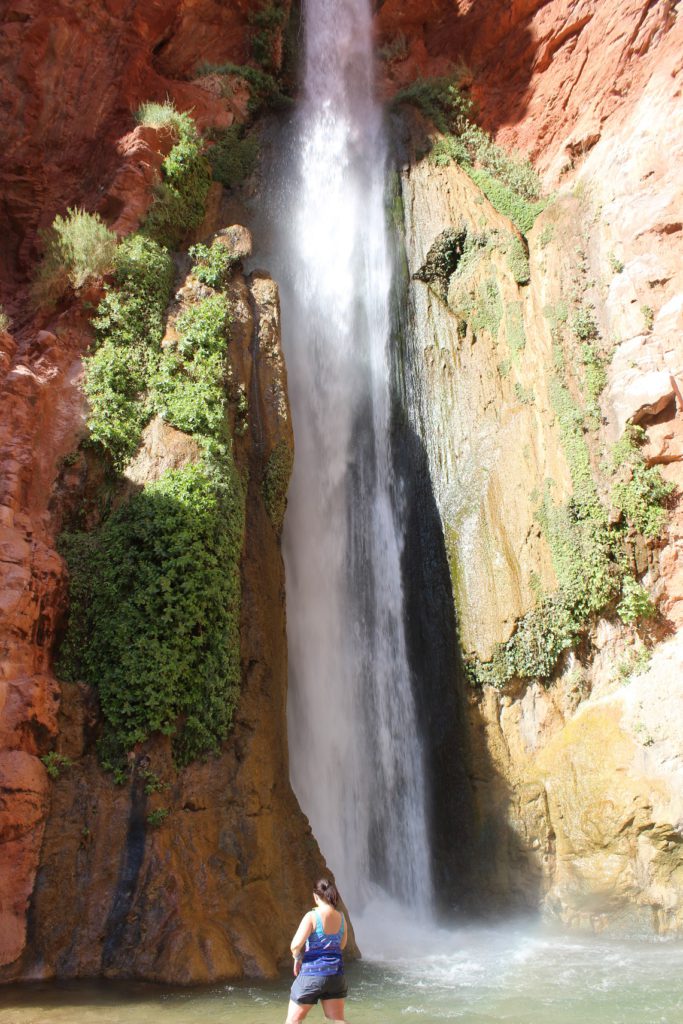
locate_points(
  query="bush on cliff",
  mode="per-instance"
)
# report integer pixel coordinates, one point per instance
(78, 247)
(129, 326)
(180, 198)
(154, 619)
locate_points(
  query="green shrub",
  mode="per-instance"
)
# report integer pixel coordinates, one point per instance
(512, 169)
(213, 265)
(615, 263)
(157, 817)
(129, 326)
(520, 211)
(487, 312)
(518, 260)
(276, 482)
(524, 395)
(78, 247)
(547, 235)
(55, 764)
(204, 327)
(132, 311)
(265, 91)
(114, 378)
(233, 156)
(4, 321)
(266, 22)
(594, 370)
(191, 395)
(440, 100)
(160, 115)
(648, 317)
(514, 328)
(640, 492)
(635, 602)
(583, 324)
(154, 617)
(180, 199)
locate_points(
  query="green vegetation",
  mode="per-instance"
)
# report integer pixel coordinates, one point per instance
(233, 156)
(508, 181)
(153, 783)
(157, 817)
(160, 115)
(4, 321)
(639, 491)
(594, 371)
(180, 199)
(547, 235)
(155, 588)
(213, 264)
(266, 23)
(154, 621)
(129, 325)
(396, 49)
(55, 763)
(636, 662)
(520, 211)
(78, 247)
(488, 311)
(518, 260)
(202, 327)
(615, 263)
(648, 317)
(276, 482)
(524, 395)
(514, 329)
(440, 100)
(583, 324)
(635, 602)
(264, 88)
(445, 255)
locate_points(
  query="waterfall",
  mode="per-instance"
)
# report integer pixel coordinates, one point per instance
(355, 755)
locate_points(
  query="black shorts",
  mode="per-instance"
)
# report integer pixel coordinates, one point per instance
(309, 988)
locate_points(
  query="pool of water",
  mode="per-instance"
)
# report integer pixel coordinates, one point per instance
(517, 974)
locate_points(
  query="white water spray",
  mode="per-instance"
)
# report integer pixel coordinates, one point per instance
(354, 751)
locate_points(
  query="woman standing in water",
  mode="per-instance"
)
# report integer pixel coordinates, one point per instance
(318, 963)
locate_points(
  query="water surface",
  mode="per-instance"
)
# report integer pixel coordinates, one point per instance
(514, 975)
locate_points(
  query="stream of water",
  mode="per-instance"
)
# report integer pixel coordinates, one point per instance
(355, 757)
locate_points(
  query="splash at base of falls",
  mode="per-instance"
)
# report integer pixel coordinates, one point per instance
(515, 973)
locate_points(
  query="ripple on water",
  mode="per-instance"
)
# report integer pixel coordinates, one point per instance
(508, 975)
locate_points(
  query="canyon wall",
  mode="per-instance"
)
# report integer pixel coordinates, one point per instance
(164, 879)
(575, 784)
(576, 780)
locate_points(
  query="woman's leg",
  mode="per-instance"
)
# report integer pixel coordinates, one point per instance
(334, 1010)
(296, 1012)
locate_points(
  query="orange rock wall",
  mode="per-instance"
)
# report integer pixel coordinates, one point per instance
(73, 75)
(546, 74)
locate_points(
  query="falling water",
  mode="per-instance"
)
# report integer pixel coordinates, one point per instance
(355, 757)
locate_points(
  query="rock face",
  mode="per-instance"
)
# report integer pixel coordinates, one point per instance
(547, 75)
(577, 784)
(576, 787)
(580, 799)
(181, 900)
(74, 75)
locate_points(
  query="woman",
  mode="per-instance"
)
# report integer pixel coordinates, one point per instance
(318, 964)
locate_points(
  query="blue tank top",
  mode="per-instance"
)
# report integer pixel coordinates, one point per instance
(323, 953)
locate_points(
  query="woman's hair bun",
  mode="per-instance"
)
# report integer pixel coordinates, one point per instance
(327, 891)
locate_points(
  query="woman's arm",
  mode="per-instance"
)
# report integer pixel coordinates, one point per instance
(346, 933)
(302, 933)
